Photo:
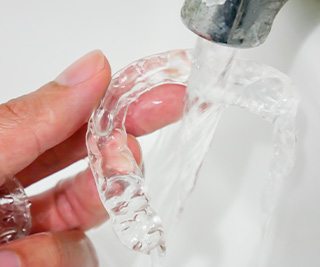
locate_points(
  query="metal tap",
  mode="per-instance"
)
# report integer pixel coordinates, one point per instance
(236, 23)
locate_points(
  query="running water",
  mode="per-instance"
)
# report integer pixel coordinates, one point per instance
(216, 81)
(210, 71)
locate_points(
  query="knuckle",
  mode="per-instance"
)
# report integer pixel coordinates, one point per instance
(17, 115)
(12, 113)
(31, 108)
(28, 113)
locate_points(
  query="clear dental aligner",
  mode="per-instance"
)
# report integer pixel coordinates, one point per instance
(216, 82)
(15, 218)
(122, 191)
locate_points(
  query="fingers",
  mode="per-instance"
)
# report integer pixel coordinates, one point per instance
(56, 158)
(34, 123)
(64, 249)
(156, 109)
(74, 202)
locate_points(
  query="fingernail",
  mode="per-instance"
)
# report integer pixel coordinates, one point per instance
(83, 69)
(9, 259)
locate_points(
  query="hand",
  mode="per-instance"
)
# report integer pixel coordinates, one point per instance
(44, 132)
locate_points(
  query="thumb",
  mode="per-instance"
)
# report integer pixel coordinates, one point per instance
(34, 123)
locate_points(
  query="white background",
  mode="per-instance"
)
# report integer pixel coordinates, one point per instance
(39, 38)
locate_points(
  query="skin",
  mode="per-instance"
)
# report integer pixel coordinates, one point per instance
(44, 132)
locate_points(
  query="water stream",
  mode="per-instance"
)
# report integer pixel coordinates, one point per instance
(216, 80)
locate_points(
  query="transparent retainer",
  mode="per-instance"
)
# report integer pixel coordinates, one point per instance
(15, 218)
(122, 192)
(260, 89)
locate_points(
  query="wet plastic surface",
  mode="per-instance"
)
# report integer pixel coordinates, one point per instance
(15, 218)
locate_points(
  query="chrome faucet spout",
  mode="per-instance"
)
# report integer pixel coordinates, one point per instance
(236, 23)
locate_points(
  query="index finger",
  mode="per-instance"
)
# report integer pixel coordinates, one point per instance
(153, 110)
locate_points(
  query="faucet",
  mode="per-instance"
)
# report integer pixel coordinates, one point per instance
(235, 23)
